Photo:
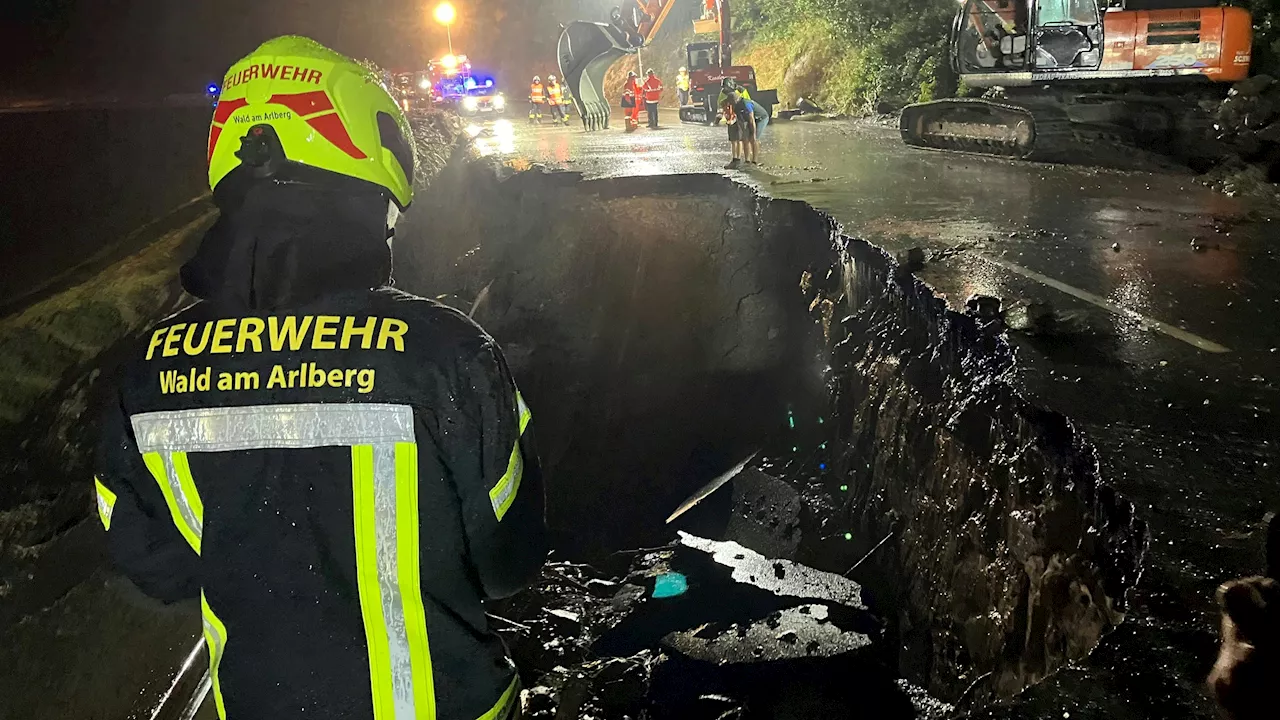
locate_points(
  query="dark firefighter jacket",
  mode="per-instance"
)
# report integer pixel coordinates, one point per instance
(340, 474)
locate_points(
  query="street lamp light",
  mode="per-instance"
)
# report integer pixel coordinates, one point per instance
(445, 15)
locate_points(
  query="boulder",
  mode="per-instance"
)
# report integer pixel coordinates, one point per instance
(1253, 86)
(766, 514)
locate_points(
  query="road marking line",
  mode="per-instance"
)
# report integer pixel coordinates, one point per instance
(1170, 330)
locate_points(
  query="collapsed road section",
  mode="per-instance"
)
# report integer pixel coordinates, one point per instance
(908, 530)
(664, 328)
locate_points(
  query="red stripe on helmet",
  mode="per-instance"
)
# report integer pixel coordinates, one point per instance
(215, 132)
(222, 113)
(308, 103)
(333, 130)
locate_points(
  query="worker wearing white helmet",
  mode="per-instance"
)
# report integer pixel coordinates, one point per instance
(537, 98)
(556, 102)
(682, 86)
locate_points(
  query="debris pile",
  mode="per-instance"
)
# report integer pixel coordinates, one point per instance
(1248, 120)
(701, 629)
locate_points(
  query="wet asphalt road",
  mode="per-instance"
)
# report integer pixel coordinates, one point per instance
(1165, 355)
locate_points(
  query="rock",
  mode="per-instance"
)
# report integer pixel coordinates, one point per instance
(539, 703)
(983, 307)
(1261, 112)
(1247, 144)
(766, 514)
(806, 106)
(1031, 317)
(887, 107)
(1269, 134)
(911, 260)
(1115, 247)
(1253, 86)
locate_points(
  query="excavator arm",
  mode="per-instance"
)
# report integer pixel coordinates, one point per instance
(587, 50)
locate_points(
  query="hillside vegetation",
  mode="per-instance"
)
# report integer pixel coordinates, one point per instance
(849, 56)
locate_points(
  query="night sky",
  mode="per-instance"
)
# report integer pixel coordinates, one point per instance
(150, 48)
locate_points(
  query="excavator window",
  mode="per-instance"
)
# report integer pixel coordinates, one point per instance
(1066, 12)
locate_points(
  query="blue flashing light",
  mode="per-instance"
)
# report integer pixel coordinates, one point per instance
(488, 83)
(469, 83)
(822, 466)
(212, 89)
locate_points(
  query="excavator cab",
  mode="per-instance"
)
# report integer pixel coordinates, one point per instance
(702, 55)
(993, 37)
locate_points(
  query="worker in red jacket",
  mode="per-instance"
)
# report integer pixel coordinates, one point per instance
(632, 98)
(652, 94)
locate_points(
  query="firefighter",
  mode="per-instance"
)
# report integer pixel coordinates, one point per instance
(632, 98)
(682, 86)
(568, 101)
(555, 101)
(652, 94)
(537, 98)
(338, 471)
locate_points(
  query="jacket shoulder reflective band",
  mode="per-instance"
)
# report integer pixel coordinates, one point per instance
(504, 492)
(106, 501)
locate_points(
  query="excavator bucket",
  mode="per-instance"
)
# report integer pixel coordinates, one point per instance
(708, 26)
(587, 50)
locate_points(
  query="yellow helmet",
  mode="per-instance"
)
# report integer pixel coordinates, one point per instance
(322, 110)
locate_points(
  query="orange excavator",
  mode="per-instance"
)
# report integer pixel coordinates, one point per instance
(1073, 74)
(587, 50)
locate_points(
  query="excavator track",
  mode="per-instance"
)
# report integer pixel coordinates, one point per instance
(1039, 131)
(1105, 129)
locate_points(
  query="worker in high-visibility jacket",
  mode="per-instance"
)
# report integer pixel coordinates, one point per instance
(339, 472)
(682, 86)
(652, 94)
(568, 101)
(632, 98)
(537, 98)
(555, 101)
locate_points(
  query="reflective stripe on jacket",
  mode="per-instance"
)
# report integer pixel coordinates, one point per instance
(341, 485)
(652, 90)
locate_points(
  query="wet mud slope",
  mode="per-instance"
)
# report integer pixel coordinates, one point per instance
(664, 328)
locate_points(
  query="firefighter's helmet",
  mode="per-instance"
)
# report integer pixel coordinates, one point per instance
(297, 109)
(651, 72)
(684, 70)
(537, 78)
(631, 73)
